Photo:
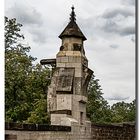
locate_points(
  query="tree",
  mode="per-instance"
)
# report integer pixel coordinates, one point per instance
(17, 66)
(132, 111)
(24, 82)
(39, 85)
(123, 112)
(98, 109)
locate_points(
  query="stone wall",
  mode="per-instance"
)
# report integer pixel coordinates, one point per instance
(75, 132)
(46, 132)
(113, 132)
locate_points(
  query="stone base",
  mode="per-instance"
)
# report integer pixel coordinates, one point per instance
(62, 119)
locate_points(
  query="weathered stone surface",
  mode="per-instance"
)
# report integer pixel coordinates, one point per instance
(77, 53)
(78, 72)
(70, 41)
(75, 132)
(78, 84)
(70, 77)
(10, 137)
(118, 132)
(64, 102)
(74, 59)
(61, 53)
(64, 79)
(63, 59)
(60, 65)
(34, 127)
(69, 53)
(67, 112)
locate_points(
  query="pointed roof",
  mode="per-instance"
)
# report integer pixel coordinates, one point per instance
(72, 29)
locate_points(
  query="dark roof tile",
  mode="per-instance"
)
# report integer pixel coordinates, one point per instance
(72, 29)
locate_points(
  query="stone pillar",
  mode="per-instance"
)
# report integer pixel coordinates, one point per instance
(67, 93)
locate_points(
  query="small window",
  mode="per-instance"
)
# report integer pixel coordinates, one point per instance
(81, 118)
(61, 48)
(76, 47)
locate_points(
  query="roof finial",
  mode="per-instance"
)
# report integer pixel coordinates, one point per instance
(72, 18)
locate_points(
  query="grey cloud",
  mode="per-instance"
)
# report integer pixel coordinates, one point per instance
(31, 19)
(117, 97)
(114, 46)
(115, 12)
(25, 14)
(115, 21)
(111, 27)
(38, 35)
(128, 2)
(127, 31)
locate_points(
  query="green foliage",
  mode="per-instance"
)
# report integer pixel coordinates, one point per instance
(123, 112)
(25, 83)
(39, 114)
(38, 87)
(98, 109)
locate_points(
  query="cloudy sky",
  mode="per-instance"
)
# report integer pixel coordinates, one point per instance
(109, 26)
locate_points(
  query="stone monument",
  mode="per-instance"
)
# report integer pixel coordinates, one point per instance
(67, 98)
(67, 93)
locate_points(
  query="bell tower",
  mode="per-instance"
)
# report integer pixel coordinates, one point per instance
(67, 93)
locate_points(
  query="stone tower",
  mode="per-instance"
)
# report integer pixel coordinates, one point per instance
(67, 93)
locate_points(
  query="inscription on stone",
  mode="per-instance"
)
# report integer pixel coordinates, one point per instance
(65, 79)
